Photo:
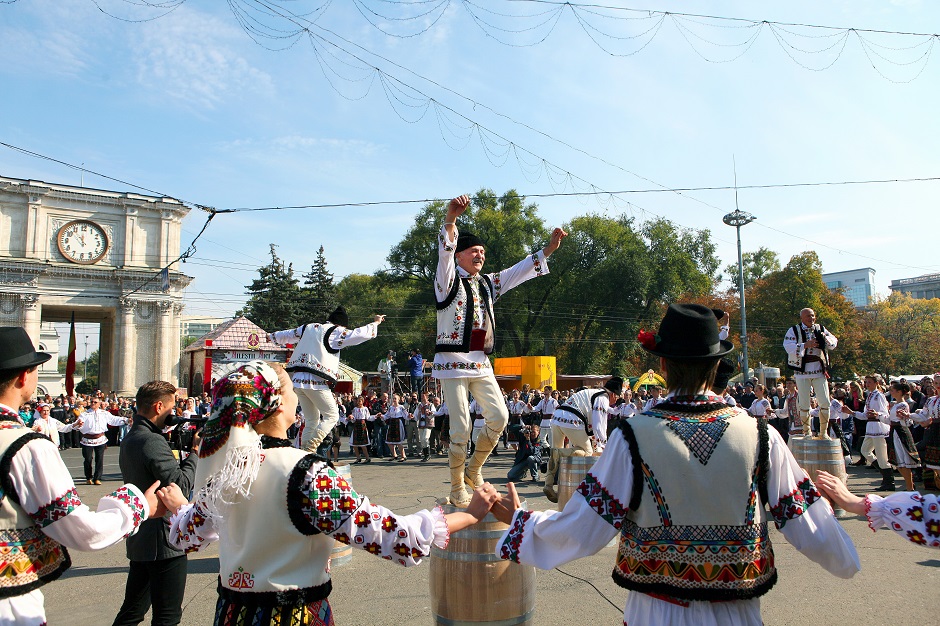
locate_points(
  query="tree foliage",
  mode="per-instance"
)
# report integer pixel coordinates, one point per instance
(319, 292)
(755, 265)
(275, 302)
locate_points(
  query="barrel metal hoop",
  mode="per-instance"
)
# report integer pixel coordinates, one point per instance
(464, 557)
(478, 534)
(512, 621)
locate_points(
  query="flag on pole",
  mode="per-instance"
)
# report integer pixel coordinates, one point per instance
(70, 364)
(165, 278)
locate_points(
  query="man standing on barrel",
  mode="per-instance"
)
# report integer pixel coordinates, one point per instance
(466, 334)
(807, 345)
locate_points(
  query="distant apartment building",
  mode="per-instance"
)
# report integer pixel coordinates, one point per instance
(858, 286)
(920, 288)
(196, 326)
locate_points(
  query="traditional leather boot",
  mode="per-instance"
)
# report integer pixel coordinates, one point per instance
(887, 480)
(458, 493)
(553, 463)
(426, 453)
(807, 430)
(823, 423)
(487, 440)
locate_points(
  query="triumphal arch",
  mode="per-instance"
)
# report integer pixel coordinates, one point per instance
(98, 255)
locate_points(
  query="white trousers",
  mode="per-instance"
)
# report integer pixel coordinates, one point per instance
(578, 439)
(880, 447)
(487, 394)
(424, 436)
(821, 384)
(320, 416)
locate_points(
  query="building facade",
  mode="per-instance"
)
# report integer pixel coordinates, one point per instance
(97, 255)
(920, 288)
(858, 286)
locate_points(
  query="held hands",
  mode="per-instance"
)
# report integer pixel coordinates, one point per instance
(833, 489)
(504, 508)
(481, 501)
(557, 235)
(157, 509)
(810, 343)
(171, 497)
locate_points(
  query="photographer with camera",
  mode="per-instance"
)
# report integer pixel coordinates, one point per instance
(157, 574)
(528, 454)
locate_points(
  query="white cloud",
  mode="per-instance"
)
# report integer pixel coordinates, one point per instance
(194, 57)
(34, 41)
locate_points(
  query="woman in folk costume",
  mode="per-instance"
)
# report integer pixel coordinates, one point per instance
(395, 418)
(685, 486)
(276, 510)
(902, 452)
(314, 368)
(929, 418)
(359, 430)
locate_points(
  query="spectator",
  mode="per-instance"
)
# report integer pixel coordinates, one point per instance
(528, 455)
(416, 370)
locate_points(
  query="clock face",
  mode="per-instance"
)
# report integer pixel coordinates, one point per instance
(82, 241)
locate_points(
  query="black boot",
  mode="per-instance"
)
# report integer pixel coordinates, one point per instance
(426, 454)
(887, 480)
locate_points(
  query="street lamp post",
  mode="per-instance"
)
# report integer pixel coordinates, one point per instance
(739, 218)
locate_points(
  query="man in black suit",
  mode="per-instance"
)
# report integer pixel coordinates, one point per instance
(157, 573)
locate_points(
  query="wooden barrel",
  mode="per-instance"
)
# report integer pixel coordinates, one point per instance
(820, 454)
(342, 553)
(572, 472)
(471, 585)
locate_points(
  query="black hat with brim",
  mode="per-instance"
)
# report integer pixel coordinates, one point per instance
(17, 350)
(614, 385)
(688, 331)
(468, 240)
(724, 373)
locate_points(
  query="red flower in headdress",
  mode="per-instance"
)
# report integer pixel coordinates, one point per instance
(647, 339)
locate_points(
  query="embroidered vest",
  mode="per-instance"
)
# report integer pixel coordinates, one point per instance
(796, 362)
(581, 403)
(268, 556)
(455, 315)
(696, 528)
(28, 558)
(314, 355)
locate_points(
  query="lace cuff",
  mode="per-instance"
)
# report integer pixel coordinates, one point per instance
(441, 534)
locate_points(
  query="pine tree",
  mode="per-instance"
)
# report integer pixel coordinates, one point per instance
(319, 291)
(276, 301)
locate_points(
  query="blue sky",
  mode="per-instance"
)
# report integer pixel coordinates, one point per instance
(189, 105)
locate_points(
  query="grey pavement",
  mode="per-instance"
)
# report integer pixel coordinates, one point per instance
(898, 583)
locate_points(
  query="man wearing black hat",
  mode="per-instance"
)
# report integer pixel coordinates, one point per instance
(466, 334)
(41, 514)
(314, 368)
(684, 486)
(581, 418)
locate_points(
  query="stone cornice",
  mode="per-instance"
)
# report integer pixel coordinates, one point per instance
(29, 272)
(125, 200)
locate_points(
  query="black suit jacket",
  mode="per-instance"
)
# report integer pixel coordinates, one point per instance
(146, 457)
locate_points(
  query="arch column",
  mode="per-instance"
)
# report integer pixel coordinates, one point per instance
(127, 347)
(164, 341)
(32, 316)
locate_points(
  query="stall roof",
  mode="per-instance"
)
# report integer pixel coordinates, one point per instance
(234, 335)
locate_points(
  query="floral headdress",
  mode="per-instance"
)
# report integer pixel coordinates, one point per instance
(230, 453)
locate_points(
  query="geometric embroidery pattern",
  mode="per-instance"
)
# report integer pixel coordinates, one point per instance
(598, 498)
(28, 555)
(57, 509)
(700, 438)
(131, 501)
(661, 506)
(513, 542)
(732, 558)
(795, 503)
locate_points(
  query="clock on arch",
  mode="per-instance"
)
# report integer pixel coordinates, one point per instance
(82, 241)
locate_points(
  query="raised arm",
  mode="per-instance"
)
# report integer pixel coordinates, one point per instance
(342, 337)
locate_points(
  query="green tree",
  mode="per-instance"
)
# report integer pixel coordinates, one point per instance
(319, 291)
(275, 300)
(756, 265)
(906, 335)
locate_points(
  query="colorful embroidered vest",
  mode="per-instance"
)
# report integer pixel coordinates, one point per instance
(796, 362)
(28, 558)
(254, 559)
(314, 355)
(455, 315)
(696, 528)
